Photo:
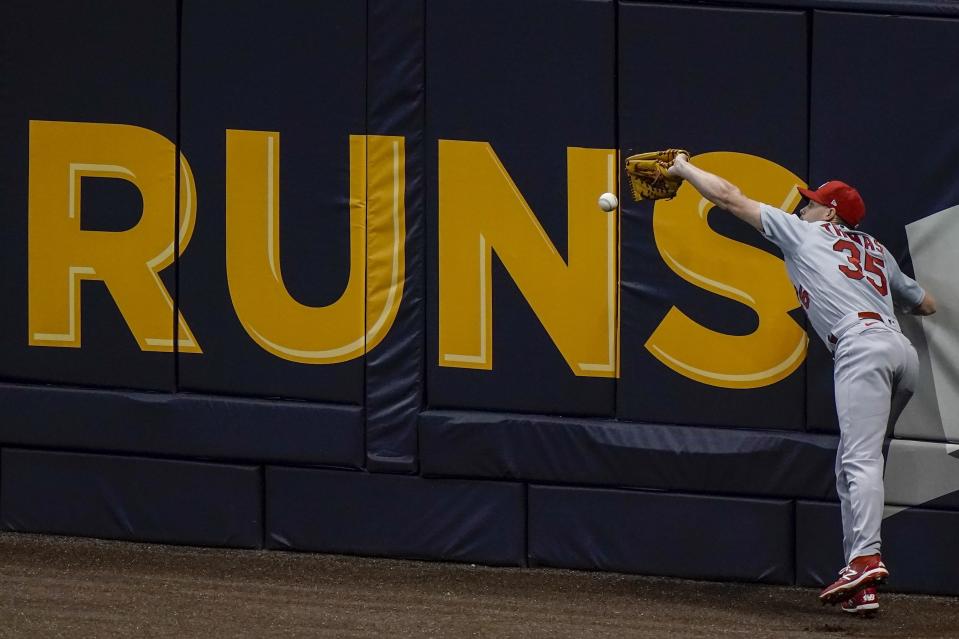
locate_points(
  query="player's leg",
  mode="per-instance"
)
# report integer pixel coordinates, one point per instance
(842, 488)
(904, 382)
(867, 365)
(863, 379)
(863, 466)
(865, 369)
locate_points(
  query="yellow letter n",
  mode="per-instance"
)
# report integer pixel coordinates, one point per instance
(480, 211)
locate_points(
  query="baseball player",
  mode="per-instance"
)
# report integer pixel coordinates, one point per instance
(847, 282)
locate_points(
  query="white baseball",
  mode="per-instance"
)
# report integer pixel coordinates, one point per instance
(608, 202)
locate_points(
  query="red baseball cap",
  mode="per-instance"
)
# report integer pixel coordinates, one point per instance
(840, 196)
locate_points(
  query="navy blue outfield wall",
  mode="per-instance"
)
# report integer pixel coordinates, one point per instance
(117, 497)
(331, 277)
(396, 516)
(679, 535)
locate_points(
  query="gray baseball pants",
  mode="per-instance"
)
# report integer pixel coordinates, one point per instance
(875, 375)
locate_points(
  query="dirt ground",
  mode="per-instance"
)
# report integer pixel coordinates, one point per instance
(65, 587)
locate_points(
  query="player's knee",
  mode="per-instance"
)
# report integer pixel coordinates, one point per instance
(859, 466)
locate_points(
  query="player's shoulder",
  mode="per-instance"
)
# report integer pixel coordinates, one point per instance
(788, 231)
(778, 215)
(769, 208)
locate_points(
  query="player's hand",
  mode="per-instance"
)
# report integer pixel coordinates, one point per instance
(679, 164)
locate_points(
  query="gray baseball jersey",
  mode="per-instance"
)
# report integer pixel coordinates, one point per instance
(847, 281)
(838, 271)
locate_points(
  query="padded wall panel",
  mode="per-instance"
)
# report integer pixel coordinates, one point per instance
(922, 418)
(563, 450)
(758, 64)
(299, 70)
(395, 106)
(366, 514)
(519, 86)
(922, 7)
(918, 547)
(918, 473)
(880, 64)
(131, 498)
(661, 534)
(110, 62)
(181, 425)
(819, 553)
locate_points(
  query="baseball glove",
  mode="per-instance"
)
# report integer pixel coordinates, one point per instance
(648, 177)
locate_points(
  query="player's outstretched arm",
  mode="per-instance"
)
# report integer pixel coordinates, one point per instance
(719, 191)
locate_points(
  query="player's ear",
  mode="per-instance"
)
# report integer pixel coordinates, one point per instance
(831, 215)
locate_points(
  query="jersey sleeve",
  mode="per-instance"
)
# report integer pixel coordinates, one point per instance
(783, 229)
(906, 292)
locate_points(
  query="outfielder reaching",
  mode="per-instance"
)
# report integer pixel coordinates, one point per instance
(847, 282)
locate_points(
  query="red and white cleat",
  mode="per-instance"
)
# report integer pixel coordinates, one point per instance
(860, 573)
(865, 602)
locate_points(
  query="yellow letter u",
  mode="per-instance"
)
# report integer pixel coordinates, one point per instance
(277, 322)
